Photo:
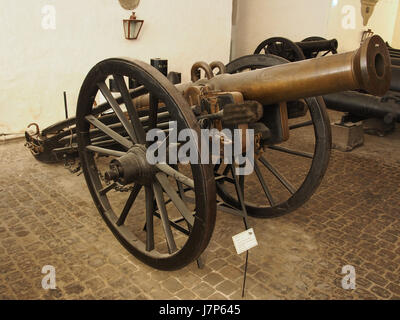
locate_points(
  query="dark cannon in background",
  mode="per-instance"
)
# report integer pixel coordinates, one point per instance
(128, 191)
(379, 114)
(363, 106)
(308, 48)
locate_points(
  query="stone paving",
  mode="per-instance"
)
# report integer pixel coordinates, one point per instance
(47, 218)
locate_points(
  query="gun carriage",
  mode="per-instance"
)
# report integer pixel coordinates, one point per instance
(308, 48)
(164, 213)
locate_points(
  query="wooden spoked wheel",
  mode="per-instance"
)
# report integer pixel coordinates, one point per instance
(285, 176)
(281, 47)
(145, 205)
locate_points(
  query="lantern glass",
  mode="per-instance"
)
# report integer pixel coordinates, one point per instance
(132, 28)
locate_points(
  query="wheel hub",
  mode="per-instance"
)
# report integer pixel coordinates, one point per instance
(132, 167)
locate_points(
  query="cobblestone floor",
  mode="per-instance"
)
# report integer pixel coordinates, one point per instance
(47, 218)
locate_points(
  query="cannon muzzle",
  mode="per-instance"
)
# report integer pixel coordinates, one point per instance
(367, 68)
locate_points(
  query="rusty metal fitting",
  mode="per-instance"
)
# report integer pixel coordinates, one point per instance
(201, 65)
(218, 65)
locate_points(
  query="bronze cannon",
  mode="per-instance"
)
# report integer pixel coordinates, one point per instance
(164, 212)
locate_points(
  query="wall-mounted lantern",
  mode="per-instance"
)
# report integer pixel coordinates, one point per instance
(132, 27)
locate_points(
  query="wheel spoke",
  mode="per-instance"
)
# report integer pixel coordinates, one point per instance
(226, 207)
(134, 93)
(240, 194)
(128, 205)
(107, 188)
(301, 125)
(111, 133)
(149, 218)
(177, 201)
(100, 139)
(168, 170)
(278, 175)
(117, 126)
(293, 152)
(226, 170)
(132, 112)
(105, 151)
(153, 110)
(164, 217)
(175, 225)
(181, 189)
(117, 109)
(263, 184)
(106, 143)
(241, 184)
(222, 179)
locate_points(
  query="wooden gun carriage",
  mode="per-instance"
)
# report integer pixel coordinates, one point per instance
(164, 213)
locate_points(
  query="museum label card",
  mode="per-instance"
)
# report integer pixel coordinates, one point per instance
(245, 241)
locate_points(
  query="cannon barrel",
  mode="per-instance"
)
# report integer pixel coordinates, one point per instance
(367, 68)
(318, 45)
(363, 105)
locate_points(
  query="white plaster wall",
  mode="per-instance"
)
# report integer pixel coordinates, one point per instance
(382, 22)
(37, 65)
(257, 20)
(396, 34)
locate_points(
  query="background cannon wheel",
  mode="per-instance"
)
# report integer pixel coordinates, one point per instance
(316, 53)
(143, 205)
(281, 47)
(276, 188)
